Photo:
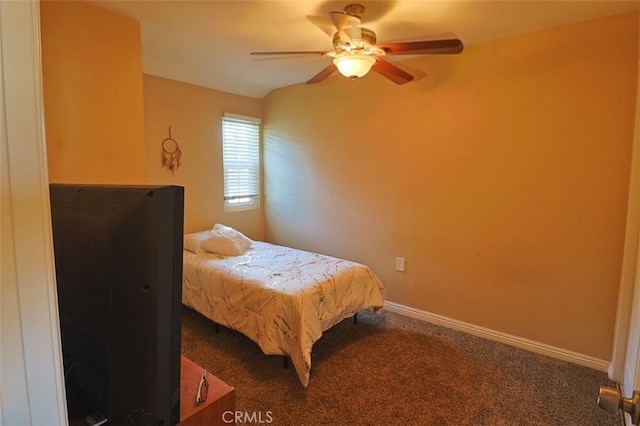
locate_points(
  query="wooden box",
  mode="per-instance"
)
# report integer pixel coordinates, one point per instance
(221, 398)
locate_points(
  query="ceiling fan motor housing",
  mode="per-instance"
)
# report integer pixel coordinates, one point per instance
(361, 38)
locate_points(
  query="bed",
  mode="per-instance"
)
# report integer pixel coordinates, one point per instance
(281, 298)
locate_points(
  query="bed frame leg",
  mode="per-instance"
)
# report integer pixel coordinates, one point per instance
(217, 328)
(355, 318)
(286, 362)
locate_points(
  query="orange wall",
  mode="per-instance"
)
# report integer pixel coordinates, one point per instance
(195, 116)
(502, 177)
(92, 78)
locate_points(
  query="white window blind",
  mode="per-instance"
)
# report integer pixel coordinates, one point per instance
(241, 161)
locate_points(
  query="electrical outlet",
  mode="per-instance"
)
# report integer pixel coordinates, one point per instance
(400, 264)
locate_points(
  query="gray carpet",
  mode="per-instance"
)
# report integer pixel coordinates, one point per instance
(394, 370)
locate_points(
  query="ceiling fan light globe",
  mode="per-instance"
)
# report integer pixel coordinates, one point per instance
(355, 65)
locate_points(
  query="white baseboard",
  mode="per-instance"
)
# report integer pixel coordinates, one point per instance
(519, 342)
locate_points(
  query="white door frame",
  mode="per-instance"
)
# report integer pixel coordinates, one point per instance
(625, 358)
(31, 371)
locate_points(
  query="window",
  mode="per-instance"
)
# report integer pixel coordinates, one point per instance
(241, 162)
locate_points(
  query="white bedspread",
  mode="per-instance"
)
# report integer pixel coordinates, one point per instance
(281, 298)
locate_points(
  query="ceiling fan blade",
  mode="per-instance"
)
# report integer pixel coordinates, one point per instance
(344, 37)
(326, 72)
(323, 23)
(342, 20)
(423, 47)
(292, 52)
(390, 71)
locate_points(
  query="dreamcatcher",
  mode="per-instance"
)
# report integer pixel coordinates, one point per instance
(171, 153)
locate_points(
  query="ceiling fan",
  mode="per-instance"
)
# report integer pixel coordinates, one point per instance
(356, 50)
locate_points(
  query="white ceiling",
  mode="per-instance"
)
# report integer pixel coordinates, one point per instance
(208, 42)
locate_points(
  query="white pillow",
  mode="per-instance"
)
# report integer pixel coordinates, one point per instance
(226, 241)
(193, 242)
